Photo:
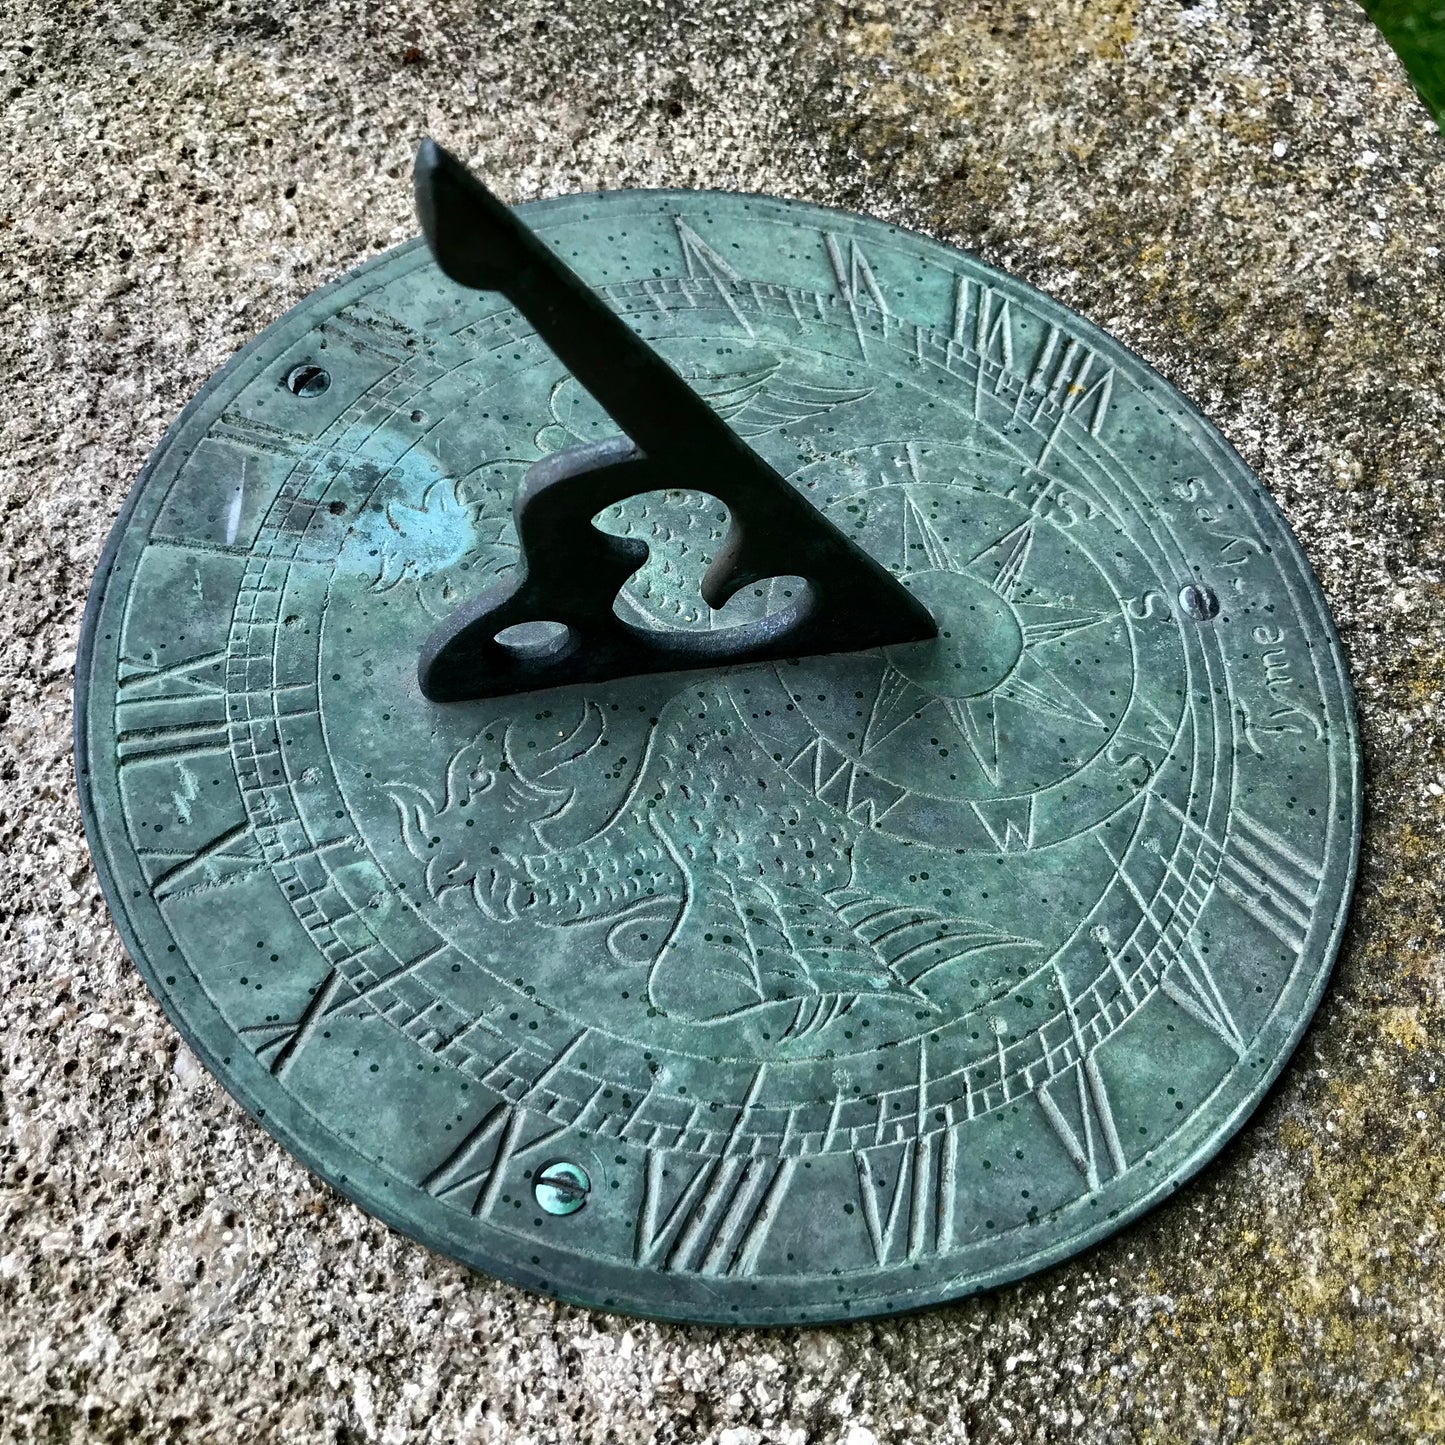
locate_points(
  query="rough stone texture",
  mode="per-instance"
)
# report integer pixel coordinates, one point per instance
(1246, 191)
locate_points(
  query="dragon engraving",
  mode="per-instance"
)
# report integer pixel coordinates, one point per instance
(718, 872)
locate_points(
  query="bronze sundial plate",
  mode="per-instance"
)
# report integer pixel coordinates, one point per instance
(798, 992)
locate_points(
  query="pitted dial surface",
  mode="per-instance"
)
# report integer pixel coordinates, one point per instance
(843, 985)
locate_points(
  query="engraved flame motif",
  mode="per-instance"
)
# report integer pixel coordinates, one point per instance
(457, 520)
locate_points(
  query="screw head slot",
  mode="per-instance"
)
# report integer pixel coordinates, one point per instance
(307, 380)
(562, 1187)
(1198, 602)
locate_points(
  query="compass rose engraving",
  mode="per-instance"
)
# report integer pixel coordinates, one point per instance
(973, 738)
(996, 651)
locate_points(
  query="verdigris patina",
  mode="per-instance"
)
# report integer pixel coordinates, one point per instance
(1249, 194)
(795, 990)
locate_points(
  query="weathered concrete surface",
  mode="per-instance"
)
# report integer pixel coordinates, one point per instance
(1244, 190)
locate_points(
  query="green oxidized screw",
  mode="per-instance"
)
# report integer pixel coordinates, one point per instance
(562, 1187)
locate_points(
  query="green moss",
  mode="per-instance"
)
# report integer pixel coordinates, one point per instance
(1416, 29)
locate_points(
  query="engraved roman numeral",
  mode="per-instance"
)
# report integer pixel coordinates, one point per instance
(857, 276)
(1076, 1104)
(1267, 878)
(703, 262)
(716, 1221)
(471, 1175)
(993, 324)
(853, 278)
(993, 341)
(1076, 383)
(907, 1193)
(1270, 880)
(962, 290)
(227, 856)
(147, 682)
(272, 441)
(192, 738)
(370, 331)
(1038, 377)
(1191, 984)
(283, 1041)
(700, 258)
(986, 313)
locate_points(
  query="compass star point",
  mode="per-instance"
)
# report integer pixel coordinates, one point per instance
(919, 531)
(976, 720)
(1052, 621)
(1039, 688)
(1001, 564)
(897, 700)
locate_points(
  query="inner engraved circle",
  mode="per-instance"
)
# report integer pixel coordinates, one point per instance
(773, 1018)
(979, 636)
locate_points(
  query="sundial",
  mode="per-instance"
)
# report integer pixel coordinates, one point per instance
(717, 758)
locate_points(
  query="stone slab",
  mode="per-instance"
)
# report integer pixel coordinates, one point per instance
(1246, 193)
